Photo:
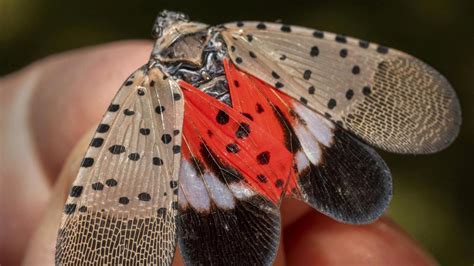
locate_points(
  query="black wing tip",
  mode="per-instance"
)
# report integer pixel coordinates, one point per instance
(370, 216)
(353, 184)
(356, 214)
(248, 234)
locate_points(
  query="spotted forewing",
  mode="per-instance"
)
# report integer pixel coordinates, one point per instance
(388, 98)
(125, 195)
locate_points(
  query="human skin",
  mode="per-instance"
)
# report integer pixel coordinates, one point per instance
(48, 111)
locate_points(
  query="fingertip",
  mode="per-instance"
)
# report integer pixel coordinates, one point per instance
(321, 241)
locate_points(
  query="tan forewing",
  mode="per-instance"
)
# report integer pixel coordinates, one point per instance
(388, 98)
(122, 206)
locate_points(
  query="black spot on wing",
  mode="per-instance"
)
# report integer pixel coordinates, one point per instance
(128, 112)
(157, 161)
(111, 182)
(261, 26)
(332, 103)
(87, 162)
(318, 34)
(249, 116)
(176, 149)
(343, 53)
(285, 28)
(366, 90)
(159, 109)
(76, 191)
(349, 94)
(355, 70)
(161, 212)
(117, 149)
(113, 108)
(222, 117)
(69, 208)
(314, 51)
(243, 131)
(173, 184)
(97, 142)
(382, 49)
(232, 148)
(340, 39)
(103, 128)
(275, 75)
(166, 138)
(145, 131)
(97, 186)
(134, 156)
(307, 74)
(279, 183)
(303, 100)
(123, 200)
(248, 234)
(144, 196)
(262, 178)
(364, 44)
(264, 157)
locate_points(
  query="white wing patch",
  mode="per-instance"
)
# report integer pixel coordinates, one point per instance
(220, 193)
(388, 98)
(123, 203)
(193, 189)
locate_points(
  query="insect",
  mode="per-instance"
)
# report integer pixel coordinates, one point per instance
(202, 143)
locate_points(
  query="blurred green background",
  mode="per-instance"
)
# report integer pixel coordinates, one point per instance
(433, 194)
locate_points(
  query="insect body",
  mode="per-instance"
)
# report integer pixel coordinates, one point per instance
(202, 143)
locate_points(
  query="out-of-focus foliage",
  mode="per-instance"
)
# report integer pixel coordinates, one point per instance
(433, 194)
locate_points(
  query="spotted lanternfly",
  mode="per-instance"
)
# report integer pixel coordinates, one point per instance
(202, 143)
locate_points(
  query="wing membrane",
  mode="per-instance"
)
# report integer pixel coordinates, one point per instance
(388, 98)
(122, 206)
